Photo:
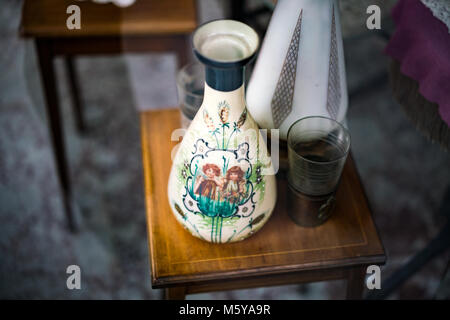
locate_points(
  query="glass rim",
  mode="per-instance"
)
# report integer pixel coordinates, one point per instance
(345, 130)
(183, 70)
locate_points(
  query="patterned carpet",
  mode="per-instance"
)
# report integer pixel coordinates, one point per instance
(405, 177)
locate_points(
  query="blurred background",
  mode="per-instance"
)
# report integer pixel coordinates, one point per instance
(405, 175)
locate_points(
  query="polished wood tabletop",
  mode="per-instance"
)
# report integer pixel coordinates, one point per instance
(47, 18)
(349, 238)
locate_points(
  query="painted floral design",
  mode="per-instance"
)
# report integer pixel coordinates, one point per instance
(208, 120)
(242, 119)
(224, 111)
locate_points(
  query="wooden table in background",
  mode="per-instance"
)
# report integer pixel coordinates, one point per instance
(280, 253)
(145, 26)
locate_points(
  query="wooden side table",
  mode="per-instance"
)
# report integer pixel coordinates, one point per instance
(280, 253)
(146, 26)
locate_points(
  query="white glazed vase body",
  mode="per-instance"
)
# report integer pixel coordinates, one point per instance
(222, 186)
(300, 70)
(217, 187)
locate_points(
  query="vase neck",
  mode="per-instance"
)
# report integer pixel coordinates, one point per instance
(235, 98)
(224, 79)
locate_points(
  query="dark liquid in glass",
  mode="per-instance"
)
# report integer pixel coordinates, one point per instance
(318, 150)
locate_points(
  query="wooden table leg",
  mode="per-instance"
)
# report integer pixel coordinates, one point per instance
(76, 100)
(355, 283)
(45, 56)
(175, 293)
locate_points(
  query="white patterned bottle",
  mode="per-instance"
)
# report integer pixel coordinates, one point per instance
(221, 186)
(300, 69)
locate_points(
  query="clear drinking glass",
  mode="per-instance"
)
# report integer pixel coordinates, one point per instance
(317, 151)
(190, 85)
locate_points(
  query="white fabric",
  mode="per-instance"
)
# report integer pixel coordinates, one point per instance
(440, 9)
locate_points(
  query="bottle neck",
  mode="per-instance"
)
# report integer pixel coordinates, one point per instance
(224, 79)
(235, 99)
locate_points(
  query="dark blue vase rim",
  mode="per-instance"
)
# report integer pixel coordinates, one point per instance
(225, 64)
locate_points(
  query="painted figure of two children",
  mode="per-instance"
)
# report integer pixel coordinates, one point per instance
(214, 186)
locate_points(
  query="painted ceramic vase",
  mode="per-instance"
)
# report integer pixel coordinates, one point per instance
(300, 69)
(221, 186)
